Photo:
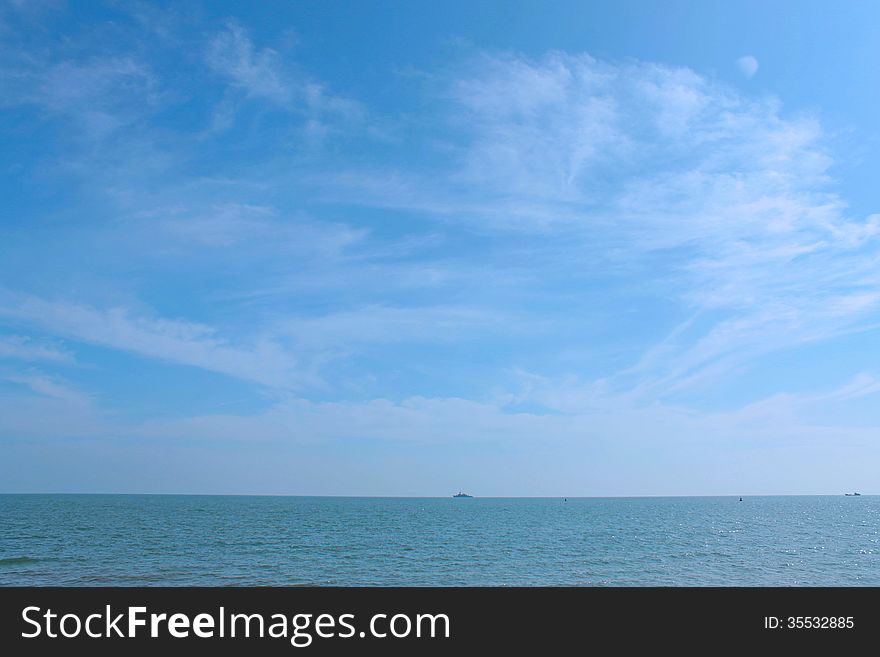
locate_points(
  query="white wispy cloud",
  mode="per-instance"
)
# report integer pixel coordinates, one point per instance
(48, 386)
(99, 95)
(24, 348)
(262, 73)
(389, 324)
(257, 72)
(729, 199)
(243, 226)
(287, 355)
(183, 342)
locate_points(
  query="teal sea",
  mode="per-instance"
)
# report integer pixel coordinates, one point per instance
(127, 540)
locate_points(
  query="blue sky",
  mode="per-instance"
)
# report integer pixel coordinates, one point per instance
(620, 248)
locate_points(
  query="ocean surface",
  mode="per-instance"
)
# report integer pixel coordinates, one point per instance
(127, 540)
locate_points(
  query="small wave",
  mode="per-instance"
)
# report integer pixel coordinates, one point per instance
(16, 561)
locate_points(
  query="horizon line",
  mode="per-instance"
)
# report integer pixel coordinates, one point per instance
(451, 495)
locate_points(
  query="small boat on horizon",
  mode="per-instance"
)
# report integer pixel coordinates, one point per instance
(460, 494)
(853, 494)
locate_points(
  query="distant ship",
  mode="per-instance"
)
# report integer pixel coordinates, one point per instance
(853, 494)
(460, 494)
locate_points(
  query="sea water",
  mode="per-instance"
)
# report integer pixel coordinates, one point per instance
(120, 540)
